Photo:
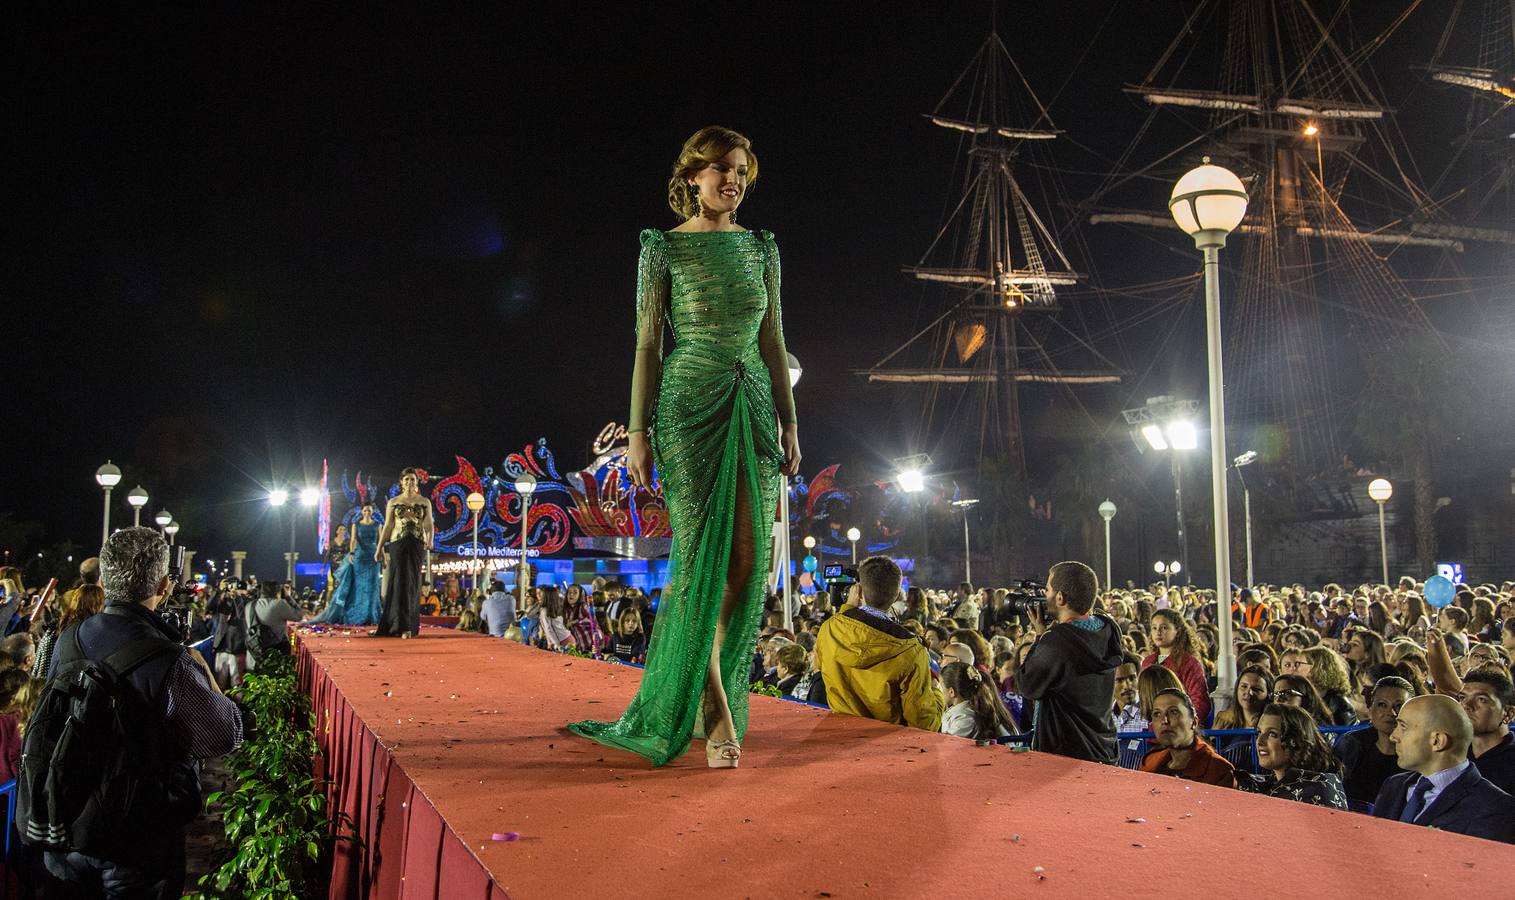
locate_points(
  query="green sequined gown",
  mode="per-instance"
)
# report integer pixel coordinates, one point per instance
(714, 407)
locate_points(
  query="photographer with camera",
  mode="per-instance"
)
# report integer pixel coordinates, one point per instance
(1070, 671)
(228, 606)
(872, 665)
(266, 619)
(108, 777)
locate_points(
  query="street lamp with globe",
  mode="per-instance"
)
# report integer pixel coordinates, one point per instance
(107, 476)
(1208, 203)
(1380, 490)
(475, 503)
(1107, 512)
(526, 485)
(138, 499)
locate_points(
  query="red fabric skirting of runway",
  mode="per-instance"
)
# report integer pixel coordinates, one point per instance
(436, 745)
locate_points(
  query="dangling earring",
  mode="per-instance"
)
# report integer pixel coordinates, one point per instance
(694, 202)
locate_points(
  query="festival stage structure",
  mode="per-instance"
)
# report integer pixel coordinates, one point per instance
(449, 755)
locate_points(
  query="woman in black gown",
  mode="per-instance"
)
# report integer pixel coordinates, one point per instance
(406, 543)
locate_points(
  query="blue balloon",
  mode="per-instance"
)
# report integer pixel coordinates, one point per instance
(1439, 591)
(809, 563)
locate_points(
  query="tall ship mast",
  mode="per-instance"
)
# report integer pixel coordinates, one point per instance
(998, 265)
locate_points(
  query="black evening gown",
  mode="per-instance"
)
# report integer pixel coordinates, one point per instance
(402, 587)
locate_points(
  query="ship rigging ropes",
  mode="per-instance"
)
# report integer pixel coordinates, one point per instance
(1287, 99)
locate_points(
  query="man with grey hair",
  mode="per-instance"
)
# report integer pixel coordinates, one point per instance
(164, 681)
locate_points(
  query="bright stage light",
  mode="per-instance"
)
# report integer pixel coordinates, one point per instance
(1154, 435)
(309, 496)
(278, 497)
(1182, 435)
(912, 481)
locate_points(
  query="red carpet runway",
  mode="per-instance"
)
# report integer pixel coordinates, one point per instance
(439, 744)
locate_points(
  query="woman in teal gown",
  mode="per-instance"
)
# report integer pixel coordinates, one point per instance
(355, 601)
(717, 417)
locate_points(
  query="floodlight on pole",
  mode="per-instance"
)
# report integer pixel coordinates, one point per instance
(138, 499)
(1380, 490)
(1240, 462)
(278, 497)
(107, 476)
(309, 496)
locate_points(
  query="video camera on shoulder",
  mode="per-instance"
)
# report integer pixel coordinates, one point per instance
(178, 608)
(1026, 595)
(836, 573)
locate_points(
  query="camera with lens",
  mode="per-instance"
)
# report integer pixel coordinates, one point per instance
(839, 579)
(1025, 596)
(178, 608)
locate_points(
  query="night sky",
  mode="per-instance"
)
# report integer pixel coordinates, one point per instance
(239, 241)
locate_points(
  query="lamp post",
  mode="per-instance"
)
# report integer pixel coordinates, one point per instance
(526, 483)
(809, 543)
(138, 499)
(1107, 512)
(910, 475)
(1381, 490)
(1167, 424)
(171, 529)
(1167, 570)
(1208, 203)
(309, 497)
(163, 518)
(852, 536)
(475, 503)
(785, 556)
(965, 504)
(1240, 462)
(108, 476)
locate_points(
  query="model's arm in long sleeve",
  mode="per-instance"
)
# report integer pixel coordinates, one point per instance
(771, 341)
(652, 305)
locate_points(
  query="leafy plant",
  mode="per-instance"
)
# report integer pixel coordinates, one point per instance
(767, 690)
(275, 818)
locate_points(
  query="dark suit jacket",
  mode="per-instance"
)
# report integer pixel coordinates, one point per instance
(1470, 805)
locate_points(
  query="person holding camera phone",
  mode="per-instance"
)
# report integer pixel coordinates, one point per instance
(1070, 671)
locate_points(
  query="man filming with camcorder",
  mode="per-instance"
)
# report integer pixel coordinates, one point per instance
(1070, 671)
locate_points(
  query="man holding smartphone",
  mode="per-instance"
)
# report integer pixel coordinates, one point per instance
(1070, 671)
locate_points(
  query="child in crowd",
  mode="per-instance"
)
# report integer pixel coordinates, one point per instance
(553, 633)
(629, 643)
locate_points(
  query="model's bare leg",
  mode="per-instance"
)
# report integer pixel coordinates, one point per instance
(718, 723)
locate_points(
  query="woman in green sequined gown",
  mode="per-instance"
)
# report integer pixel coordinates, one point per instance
(717, 417)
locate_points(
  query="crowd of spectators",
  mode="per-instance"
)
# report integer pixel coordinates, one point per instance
(1128, 676)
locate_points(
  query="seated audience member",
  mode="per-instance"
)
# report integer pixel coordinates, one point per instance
(1299, 692)
(1070, 672)
(937, 639)
(791, 664)
(1126, 707)
(1328, 672)
(874, 667)
(1297, 762)
(13, 683)
(19, 650)
(957, 652)
(811, 687)
(499, 610)
(1367, 756)
(983, 654)
(1489, 700)
(973, 709)
(1181, 752)
(1254, 687)
(1178, 649)
(1441, 788)
(628, 643)
(1453, 622)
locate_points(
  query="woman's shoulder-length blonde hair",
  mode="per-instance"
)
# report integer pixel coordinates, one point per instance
(703, 148)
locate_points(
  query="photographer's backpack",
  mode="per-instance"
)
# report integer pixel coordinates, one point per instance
(93, 773)
(260, 636)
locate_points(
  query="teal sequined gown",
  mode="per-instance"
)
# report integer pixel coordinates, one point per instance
(715, 408)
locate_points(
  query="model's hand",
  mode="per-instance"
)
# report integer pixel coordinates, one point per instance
(639, 459)
(790, 440)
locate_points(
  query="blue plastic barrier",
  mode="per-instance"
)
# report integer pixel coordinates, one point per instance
(8, 793)
(206, 649)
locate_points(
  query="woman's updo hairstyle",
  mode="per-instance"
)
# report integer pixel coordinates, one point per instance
(703, 148)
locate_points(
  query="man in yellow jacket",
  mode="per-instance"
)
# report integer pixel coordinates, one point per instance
(872, 665)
